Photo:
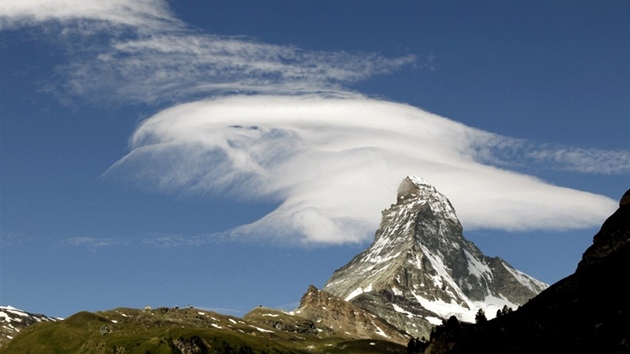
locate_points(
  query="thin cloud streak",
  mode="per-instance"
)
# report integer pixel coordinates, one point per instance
(518, 153)
(176, 66)
(595, 161)
(94, 243)
(152, 57)
(139, 14)
(334, 163)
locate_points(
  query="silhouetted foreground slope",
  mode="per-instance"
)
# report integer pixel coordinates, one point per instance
(586, 312)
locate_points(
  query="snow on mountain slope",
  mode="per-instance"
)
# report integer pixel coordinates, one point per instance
(13, 320)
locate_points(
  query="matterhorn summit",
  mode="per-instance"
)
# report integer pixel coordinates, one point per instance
(420, 269)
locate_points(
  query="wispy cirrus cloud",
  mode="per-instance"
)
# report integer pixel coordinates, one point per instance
(139, 14)
(519, 153)
(584, 160)
(179, 66)
(149, 56)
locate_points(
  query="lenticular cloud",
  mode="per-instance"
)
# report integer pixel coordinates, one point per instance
(333, 164)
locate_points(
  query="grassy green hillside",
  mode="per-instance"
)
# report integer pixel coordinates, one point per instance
(167, 330)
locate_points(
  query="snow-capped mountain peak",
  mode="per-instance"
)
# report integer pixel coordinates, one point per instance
(417, 189)
(420, 269)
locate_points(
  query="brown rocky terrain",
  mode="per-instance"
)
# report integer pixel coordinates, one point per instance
(343, 318)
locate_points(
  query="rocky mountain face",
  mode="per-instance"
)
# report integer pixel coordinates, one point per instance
(338, 317)
(13, 320)
(420, 270)
(586, 312)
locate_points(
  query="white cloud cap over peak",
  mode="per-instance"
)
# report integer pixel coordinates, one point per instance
(334, 163)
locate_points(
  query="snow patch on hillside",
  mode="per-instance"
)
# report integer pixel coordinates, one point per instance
(529, 282)
(358, 291)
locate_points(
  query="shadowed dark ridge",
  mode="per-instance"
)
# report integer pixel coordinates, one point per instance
(588, 311)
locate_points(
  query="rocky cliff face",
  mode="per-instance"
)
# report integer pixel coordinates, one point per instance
(420, 270)
(341, 318)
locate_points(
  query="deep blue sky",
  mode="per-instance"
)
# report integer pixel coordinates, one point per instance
(555, 74)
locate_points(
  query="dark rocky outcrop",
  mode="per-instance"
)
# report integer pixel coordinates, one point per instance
(586, 312)
(611, 238)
